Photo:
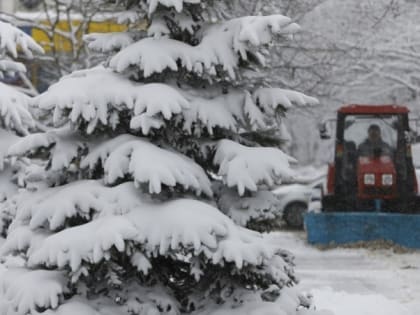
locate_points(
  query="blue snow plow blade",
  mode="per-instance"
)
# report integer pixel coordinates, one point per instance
(328, 228)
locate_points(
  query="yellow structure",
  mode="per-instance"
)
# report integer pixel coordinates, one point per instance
(62, 43)
(55, 39)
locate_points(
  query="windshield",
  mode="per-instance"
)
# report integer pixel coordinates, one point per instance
(358, 127)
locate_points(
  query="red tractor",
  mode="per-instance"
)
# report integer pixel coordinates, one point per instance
(371, 186)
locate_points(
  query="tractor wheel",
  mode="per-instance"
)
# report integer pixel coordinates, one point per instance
(293, 214)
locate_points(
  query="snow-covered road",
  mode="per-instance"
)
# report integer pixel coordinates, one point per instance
(357, 281)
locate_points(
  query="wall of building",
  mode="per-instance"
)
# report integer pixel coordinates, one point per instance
(8, 6)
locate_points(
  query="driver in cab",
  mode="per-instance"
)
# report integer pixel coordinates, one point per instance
(373, 145)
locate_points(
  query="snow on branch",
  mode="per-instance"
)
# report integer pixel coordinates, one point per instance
(182, 224)
(154, 55)
(252, 304)
(261, 205)
(178, 5)
(142, 300)
(107, 42)
(75, 200)
(64, 142)
(90, 242)
(100, 103)
(21, 238)
(74, 306)
(87, 199)
(247, 167)
(223, 111)
(151, 105)
(7, 139)
(12, 39)
(139, 299)
(241, 36)
(235, 39)
(147, 163)
(271, 98)
(14, 112)
(229, 111)
(128, 16)
(20, 291)
(185, 22)
(12, 67)
(159, 25)
(153, 300)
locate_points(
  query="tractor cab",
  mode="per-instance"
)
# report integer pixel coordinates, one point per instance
(372, 191)
(373, 168)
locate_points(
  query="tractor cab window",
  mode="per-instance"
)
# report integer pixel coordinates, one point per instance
(370, 135)
(367, 136)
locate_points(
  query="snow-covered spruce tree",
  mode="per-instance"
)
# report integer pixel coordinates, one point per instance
(128, 224)
(15, 119)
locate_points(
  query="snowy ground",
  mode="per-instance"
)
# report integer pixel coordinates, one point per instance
(357, 281)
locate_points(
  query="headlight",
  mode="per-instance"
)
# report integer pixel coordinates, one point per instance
(369, 179)
(387, 179)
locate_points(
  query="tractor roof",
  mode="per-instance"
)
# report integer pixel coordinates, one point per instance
(373, 109)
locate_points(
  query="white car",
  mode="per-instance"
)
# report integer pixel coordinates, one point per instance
(295, 199)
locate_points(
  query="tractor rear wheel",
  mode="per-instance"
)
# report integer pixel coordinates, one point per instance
(293, 214)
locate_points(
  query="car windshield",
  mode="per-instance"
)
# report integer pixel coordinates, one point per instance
(356, 128)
